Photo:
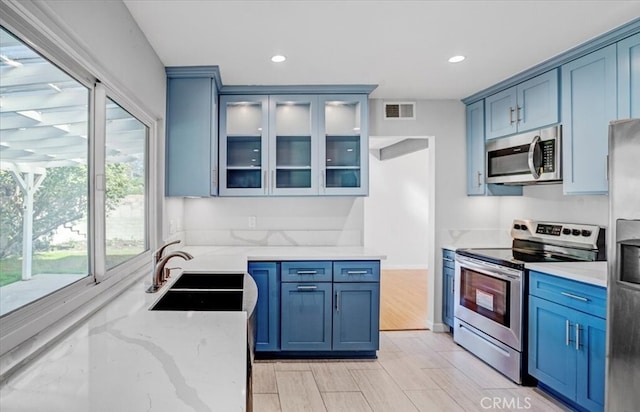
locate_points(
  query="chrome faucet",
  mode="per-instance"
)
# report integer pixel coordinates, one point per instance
(159, 273)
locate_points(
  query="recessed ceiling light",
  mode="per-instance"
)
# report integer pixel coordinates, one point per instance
(278, 58)
(456, 59)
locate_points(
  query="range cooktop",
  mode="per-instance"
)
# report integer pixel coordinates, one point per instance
(535, 241)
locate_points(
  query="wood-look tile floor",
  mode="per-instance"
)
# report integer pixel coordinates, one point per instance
(403, 299)
(415, 371)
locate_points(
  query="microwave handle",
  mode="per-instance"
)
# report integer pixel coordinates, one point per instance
(532, 148)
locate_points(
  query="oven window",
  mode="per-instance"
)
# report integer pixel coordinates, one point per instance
(485, 295)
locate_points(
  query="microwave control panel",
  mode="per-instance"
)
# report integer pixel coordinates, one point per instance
(548, 149)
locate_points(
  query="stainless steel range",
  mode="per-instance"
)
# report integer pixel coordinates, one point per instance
(491, 288)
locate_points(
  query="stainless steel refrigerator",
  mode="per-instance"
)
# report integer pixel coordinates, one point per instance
(623, 291)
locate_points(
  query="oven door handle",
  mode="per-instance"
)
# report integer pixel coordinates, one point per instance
(492, 270)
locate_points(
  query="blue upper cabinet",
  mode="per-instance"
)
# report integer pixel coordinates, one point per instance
(191, 130)
(476, 156)
(629, 77)
(344, 145)
(526, 106)
(475, 149)
(589, 102)
(244, 124)
(294, 145)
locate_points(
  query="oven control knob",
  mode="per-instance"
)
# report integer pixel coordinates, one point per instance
(566, 231)
(575, 232)
(586, 233)
(516, 226)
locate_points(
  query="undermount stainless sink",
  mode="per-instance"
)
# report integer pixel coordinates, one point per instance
(204, 292)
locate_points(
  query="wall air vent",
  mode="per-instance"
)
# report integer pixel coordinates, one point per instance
(403, 110)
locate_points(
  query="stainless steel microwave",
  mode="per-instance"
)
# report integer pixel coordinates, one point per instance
(526, 158)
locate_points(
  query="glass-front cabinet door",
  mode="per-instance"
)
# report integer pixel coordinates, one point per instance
(344, 145)
(243, 145)
(293, 145)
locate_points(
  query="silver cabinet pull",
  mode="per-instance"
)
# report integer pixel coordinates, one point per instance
(479, 181)
(337, 301)
(518, 111)
(307, 272)
(357, 272)
(312, 287)
(577, 336)
(572, 296)
(511, 110)
(322, 178)
(567, 332)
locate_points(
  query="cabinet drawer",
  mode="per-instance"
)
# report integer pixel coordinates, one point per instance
(356, 271)
(306, 271)
(448, 258)
(577, 295)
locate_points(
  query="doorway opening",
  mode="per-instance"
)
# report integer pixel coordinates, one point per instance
(396, 223)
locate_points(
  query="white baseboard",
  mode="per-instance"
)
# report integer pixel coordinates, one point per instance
(438, 327)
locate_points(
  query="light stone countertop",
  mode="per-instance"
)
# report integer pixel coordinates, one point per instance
(594, 273)
(127, 358)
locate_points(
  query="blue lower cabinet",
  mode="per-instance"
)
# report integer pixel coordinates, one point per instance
(552, 357)
(305, 316)
(356, 316)
(448, 273)
(266, 275)
(567, 339)
(591, 362)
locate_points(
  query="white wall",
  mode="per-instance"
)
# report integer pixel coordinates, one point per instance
(396, 212)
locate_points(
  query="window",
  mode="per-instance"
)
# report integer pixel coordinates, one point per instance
(57, 135)
(44, 199)
(125, 176)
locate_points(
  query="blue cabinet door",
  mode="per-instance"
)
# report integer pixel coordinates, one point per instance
(476, 156)
(293, 145)
(589, 103)
(265, 274)
(475, 149)
(306, 316)
(191, 141)
(447, 297)
(356, 316)
(629, 77)
(448, 272)
(591, 352)
(552, 356)
(501, 113)
(537, 102)
(344, 144)
(527, 106)
(244, 148)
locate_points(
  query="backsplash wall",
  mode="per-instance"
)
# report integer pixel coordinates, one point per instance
(275, 221)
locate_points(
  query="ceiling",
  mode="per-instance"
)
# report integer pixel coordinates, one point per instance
(402, 46)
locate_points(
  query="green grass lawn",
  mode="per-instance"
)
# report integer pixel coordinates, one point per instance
(62, 262)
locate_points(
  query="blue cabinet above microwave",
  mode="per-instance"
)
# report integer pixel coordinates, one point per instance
(529, 105)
